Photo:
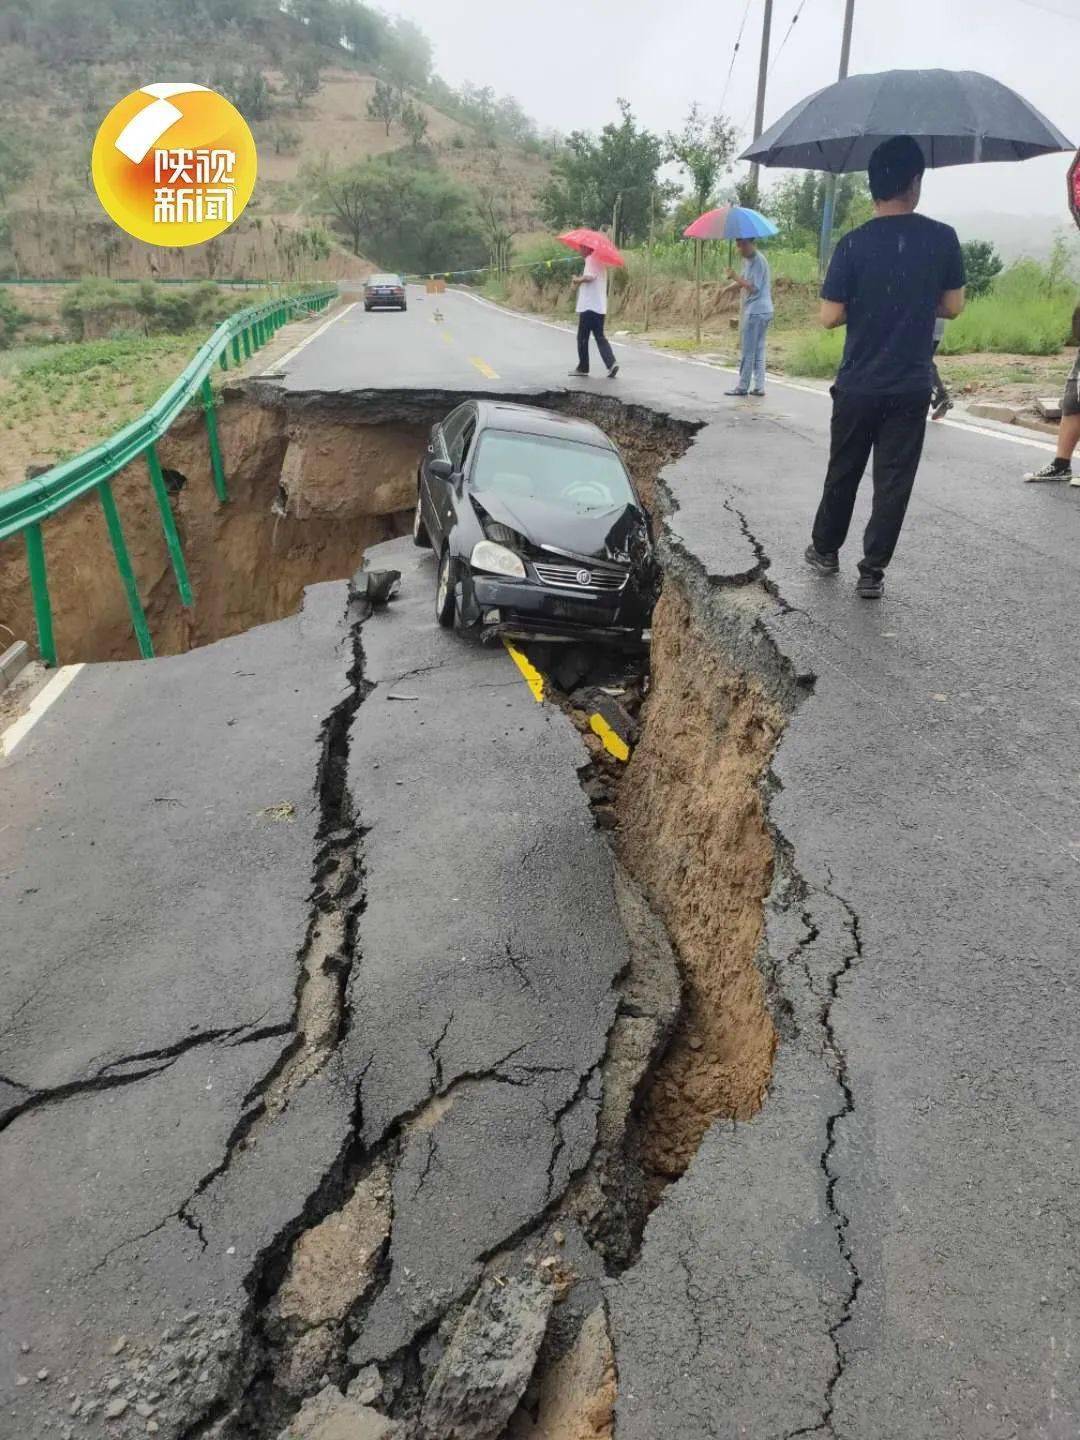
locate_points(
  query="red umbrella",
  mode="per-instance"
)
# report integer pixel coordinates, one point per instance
(593, 240)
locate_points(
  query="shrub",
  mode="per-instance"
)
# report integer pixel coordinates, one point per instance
(94, 305)
(11, 318)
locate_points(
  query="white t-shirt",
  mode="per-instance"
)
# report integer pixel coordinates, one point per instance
(592, 295)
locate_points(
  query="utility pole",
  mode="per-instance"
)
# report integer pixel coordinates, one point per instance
(763, 75)
(830, 184)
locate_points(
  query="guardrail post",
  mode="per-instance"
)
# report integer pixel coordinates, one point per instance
(236, 349)
(39, 590)
(168, 524)
(215, 445)
(127, 574)
(223, 358)
(247, 343)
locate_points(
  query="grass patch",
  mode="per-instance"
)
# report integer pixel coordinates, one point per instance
(56, 400)
(817, 353)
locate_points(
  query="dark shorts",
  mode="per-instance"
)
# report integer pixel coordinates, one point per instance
(1070, 401)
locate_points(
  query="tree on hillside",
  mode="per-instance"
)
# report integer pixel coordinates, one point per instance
(303, 74)
(496, 205)
(606, 180)
(982, 265)
(704, 148)
(364, 31)
(247, 88)
(414, 122)
(346, 196)
(407, 218)
(407, 55)
(385, 104)
(15, 161)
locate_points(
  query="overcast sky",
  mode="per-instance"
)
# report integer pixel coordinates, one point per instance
(568, 60)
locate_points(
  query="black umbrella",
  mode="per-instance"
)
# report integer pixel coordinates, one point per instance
(959, 117)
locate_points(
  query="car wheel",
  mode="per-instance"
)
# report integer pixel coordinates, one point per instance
(445, 599)
(368, 309)
(404, 308)
(420, 537)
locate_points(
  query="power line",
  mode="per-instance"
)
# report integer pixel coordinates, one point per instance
(776, 54)
(734, 53)
(787, 35)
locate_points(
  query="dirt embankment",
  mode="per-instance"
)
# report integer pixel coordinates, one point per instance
(307, 493)
(692, 831)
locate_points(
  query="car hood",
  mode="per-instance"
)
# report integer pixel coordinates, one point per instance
(608, 535)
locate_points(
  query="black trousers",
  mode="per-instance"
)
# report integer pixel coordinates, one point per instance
(893, 427)
(591, 322)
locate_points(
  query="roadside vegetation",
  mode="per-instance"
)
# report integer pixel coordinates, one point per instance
(369, 158)
(97, 354)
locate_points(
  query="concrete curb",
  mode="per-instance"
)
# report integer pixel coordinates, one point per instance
(13, 661)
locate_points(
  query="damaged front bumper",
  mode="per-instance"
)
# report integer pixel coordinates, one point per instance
(525, 610)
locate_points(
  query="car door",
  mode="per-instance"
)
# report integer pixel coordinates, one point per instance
(444, 492)
(444, 439)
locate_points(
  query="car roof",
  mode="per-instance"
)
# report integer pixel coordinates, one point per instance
(531, 420)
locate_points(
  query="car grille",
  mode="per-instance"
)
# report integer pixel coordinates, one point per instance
(580, 577)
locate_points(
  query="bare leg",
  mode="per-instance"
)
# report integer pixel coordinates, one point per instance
(1068, 436)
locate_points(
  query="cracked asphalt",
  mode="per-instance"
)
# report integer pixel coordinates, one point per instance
(885, 1252)
(888, 1249)
(146, 1183)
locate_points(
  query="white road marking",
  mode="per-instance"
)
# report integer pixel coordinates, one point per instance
(42, 701)
(279, 365)
(773, 379)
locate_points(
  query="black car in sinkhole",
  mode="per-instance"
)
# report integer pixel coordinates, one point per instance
(538, 529)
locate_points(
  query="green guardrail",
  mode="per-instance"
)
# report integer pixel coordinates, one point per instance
(23, 508)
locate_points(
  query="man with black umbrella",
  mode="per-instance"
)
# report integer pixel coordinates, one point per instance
(888, 282)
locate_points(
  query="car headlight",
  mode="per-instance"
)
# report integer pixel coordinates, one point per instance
(497, 559)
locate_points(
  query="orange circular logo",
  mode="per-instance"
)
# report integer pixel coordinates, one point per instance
(174, 164)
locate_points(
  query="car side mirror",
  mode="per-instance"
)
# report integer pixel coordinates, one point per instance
(441, 469)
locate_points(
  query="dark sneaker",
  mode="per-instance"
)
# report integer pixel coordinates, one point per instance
(870, 585)
(1056, 470)
(613, 372)
(736, 392)
(757, 392)
(824, 564)
(584, 374)
(941, 409)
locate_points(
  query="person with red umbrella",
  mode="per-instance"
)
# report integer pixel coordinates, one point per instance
(591, 286)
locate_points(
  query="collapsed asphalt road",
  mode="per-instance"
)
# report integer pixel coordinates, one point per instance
(886, 1249)
(242, 1181)
(865, 814)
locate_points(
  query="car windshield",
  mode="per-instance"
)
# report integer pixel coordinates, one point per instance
(583, 479)
(385, 280)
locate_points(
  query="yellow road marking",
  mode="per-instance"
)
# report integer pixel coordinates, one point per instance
(613, 744)
(533, 678)
(484, 368)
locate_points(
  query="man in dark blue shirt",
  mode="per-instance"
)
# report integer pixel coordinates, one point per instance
(888, 282)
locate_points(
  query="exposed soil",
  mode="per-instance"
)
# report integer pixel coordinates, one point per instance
(313, 481)
(692, 830)
(305, 499)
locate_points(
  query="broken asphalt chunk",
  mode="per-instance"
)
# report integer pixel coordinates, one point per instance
(489, 1361)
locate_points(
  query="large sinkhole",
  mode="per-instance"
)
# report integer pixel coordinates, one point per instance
(313, 481)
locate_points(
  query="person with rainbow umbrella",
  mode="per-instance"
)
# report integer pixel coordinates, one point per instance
(744, 226)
